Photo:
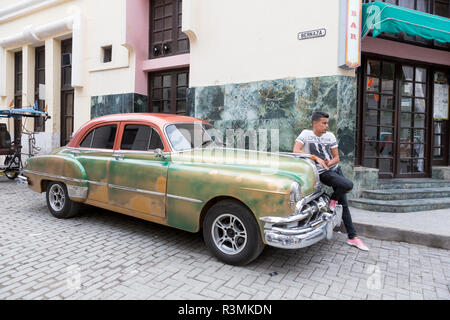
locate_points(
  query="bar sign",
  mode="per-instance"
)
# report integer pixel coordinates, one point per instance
(350, 34)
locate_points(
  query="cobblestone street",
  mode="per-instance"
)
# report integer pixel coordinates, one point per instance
(104, 255)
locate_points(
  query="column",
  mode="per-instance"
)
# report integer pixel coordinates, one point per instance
(53, 90)
(28, 75)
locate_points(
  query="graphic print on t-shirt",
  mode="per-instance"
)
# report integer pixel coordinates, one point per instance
(321, 151)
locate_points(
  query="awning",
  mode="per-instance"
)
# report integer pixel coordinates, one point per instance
(384, 17)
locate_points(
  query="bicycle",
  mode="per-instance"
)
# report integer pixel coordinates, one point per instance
(13, 164)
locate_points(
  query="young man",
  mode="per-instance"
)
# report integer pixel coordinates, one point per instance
(323, 148)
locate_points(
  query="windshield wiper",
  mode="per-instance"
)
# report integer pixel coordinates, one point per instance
(205, 142)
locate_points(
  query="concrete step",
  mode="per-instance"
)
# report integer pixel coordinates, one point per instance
(408, 205)
(412, 183)
(403, 194)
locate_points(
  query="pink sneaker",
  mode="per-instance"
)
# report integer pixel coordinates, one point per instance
(333, 204)
(356, 242)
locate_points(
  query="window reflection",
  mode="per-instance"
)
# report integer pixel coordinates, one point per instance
(408, 73)
(406, 3)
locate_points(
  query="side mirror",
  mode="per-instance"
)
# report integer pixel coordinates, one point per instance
(159, 154)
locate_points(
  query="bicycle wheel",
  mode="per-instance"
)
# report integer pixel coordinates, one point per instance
(14, 166)
(11, 174)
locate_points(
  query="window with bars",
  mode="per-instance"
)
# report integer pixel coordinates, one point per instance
(379, 116)
(413, 119)
(39, 72)
(168, 91)
(394, 118)
(166, 37)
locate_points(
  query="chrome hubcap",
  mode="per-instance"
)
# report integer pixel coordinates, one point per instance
(57, 197)
(229, 234)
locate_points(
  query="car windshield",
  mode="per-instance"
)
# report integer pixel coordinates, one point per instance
(186, 136)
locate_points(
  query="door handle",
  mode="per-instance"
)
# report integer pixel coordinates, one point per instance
(118, 156)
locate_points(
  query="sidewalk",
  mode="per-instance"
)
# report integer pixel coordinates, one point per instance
(428, 228)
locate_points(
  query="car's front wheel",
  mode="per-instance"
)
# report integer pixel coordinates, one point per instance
(232, 234)
(58, 201)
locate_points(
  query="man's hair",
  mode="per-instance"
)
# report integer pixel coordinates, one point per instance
(319, 115)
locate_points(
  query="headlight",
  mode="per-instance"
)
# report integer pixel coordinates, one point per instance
(295, 195)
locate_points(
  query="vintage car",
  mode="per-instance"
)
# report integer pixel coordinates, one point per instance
(174, 170)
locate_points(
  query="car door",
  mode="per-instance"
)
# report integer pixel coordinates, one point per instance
(138, 174)
(94, 154)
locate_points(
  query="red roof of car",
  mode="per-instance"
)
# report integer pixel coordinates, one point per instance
(158, 119)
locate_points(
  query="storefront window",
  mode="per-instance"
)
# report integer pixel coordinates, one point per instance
(422, 5)
(442, 8)
(394, 114)
(441, 117)
(406, 4)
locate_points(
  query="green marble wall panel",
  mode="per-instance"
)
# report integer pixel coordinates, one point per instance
(363, 179)
(285, 105)
(118, 103)
(440, 172)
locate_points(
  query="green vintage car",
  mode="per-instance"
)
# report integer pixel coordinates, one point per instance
(175, 171)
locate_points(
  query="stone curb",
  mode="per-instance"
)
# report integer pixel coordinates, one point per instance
(401, 235)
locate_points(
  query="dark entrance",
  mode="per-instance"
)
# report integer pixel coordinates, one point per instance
(67, 92)
(18, 95)
(396, 118)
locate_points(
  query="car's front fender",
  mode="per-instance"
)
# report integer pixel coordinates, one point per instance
(191, 188)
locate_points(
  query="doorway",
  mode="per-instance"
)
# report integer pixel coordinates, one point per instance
(395, 117)
(67, 92)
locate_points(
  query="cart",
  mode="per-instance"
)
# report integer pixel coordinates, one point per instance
(12, 151)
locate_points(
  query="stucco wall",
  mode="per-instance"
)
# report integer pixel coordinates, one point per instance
(99, 27)
(237, 41)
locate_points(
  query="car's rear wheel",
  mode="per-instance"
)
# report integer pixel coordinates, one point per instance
(232, 234)
(58, 201)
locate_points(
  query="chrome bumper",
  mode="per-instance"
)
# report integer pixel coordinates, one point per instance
(295, 238)
(22, 180)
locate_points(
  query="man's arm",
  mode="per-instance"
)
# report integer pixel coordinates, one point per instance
(298, 148)
(336, 159)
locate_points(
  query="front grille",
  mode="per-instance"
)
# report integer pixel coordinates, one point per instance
(315, 208)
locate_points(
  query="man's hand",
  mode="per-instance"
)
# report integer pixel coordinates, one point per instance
(322, 163)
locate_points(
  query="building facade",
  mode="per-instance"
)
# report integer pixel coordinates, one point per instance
(64, 54)
(242, 65)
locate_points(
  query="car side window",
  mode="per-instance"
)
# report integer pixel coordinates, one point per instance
(156, 142)
(136, 137)
(100, 138)
(140, 138)
(87, 142)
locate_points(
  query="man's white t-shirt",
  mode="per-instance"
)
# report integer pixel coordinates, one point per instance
(319, 146)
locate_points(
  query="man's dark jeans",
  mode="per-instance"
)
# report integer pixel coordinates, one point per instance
(341, 185)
